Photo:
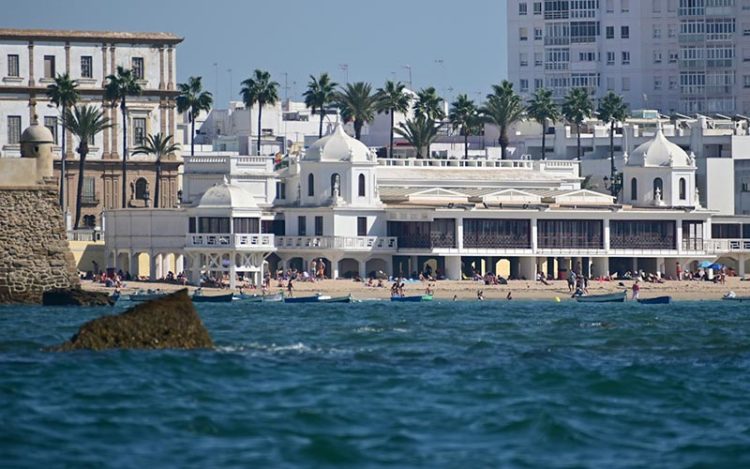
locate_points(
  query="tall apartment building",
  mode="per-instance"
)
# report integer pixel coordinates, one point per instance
(29, 61)
(687, 56)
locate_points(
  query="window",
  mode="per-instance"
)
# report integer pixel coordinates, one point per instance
(625, 57)
(361, 186)
(361, 226)
(610, 58)
(658, 186)
(139, 131)
(538, 83)
(657, 6)
(49, 66)
(683, 189)
(642, 234)
(538, 59)
(746, 81)
(537, 8)
(523, 85)
(281, 190)
(523, 59)
(523, 34)
(335, 184)
(625, 83)
(494, 233)
(310, 185)
(634, 189)
(137, 66)
(191, 225)
(657, 57)
(657, 84)
(51, 124)
(318, 226)
(87, 69)
(14, 130)
(657, 32)
(213, 225)
(88, 195)
(523, 9)
(570, 234)
(246, 225)
(13, 70)
(538, 34)
(610, 31)
(610, 83)
(141, 189)
(301, 226)
(625, 32)
(89, 221)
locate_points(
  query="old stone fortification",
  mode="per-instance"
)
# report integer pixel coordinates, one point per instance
(34, 252)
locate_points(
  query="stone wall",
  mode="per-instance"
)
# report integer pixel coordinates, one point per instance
(34, 252)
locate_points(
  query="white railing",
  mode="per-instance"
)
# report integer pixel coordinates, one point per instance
(450, 163)
(357, 243)
(238, 241)
(719, 246)
(85, 235)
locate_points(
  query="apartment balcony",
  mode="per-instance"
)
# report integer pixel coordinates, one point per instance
(349, 243)
(240, 242)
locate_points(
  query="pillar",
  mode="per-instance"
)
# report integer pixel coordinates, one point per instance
(152, 266)
(534, 236)
(634, 265)
(133, 266)
(161, 67)
(453, 267)
(599, 267)
(527, 268)
(741, 265)
(606, 234)
(459, 234)
(113, 130)
(166, 266)
(194, 268)
(232, 276)
(170, 62)
(661, 267)
(179, 264)
(31, 63)
(362, 268)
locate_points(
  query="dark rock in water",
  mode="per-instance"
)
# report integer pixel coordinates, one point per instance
(76, 297)
(167, 322)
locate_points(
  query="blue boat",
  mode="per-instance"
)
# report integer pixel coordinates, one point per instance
(201, 298)
(412, 299)
(658, 300)
(307, 299)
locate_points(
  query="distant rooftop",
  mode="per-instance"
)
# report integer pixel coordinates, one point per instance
(87, 36)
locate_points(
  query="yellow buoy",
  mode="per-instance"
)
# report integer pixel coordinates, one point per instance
(557, 299)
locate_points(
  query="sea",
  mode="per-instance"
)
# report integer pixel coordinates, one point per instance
(375, 384)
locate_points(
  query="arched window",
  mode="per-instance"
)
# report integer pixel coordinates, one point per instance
(683, 189)
(141, 189)
(634, 189)
(310, 185)
(361, 185)
(658, 184)
(335, 184)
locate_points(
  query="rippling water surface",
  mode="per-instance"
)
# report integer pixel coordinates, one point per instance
(534, 384)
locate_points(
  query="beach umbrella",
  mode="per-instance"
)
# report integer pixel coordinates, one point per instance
(705, 264)
(716, 266)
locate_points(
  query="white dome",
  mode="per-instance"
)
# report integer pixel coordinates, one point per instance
(336, 147)
(659, 152)
(227, 195)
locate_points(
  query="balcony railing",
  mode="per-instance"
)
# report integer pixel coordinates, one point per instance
(232, 241)
(357, 243)
(445, 163)
(717, 246)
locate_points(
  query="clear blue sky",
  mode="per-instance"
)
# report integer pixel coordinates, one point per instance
(302, 37)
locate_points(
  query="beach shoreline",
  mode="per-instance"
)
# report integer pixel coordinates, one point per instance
(467, 289)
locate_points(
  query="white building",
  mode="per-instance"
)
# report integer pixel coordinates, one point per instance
(672, 55)
(361, 215)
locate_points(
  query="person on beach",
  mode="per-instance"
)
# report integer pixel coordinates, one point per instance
(636, 289)
(290, 288)
(480, 295)
(678, 270)
(571, 281)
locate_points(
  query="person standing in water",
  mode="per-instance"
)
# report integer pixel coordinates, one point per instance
(636, 289)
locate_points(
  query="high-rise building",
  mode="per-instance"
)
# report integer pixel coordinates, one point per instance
(687, 56)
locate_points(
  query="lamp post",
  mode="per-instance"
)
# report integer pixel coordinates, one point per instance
(408, 67)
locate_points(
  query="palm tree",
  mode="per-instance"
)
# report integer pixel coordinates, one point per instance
(320, 92)
(119, 86)
(357, 104)
(464, 115)
(159, 146)
(85, 122)
(193, 99)
(259, 89)
(63, 93)
(392, 99)
(612, 109)
(576, 108)
(420, 132)
(503, 108)
(543, 109)
(429, 104)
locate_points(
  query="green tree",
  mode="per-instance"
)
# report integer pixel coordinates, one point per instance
(429, 104)
(85, 122)
(357, 104)
(464, 116)
(503, 108)
(63, 93)
(392, 99)
(576, 108)
(420, 132)
(193, 99)
(261, 90)
(612, 109)
(157, 145)
(543, 109)
(320, 92)
(119, 86)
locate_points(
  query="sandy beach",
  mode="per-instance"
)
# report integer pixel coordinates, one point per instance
(467, 289)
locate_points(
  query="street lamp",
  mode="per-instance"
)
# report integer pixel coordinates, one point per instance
(408, 67)
(614, 184)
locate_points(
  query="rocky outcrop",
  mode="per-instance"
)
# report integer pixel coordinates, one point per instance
(34, 252)
(168, 322)
(76, 297)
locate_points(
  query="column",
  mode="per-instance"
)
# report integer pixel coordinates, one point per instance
(151, 266)
(113, 130)
(678, 236)
(453, 267)
(599, 267)
(194, 269)
(166, 267)
(133, 266)
(163, 115)
(179, 264)
(170, 62)
(104, 65)
(67, 57)
(741, 265)
(161, 67)
(32, 108)
(661, 267)
(527, 268)
(634, 265)
(362, 268)
(459, 233)
(171, 114)
(606, 234)
(533, 235)
(232, 275)
(105, 147)
(31, 63)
